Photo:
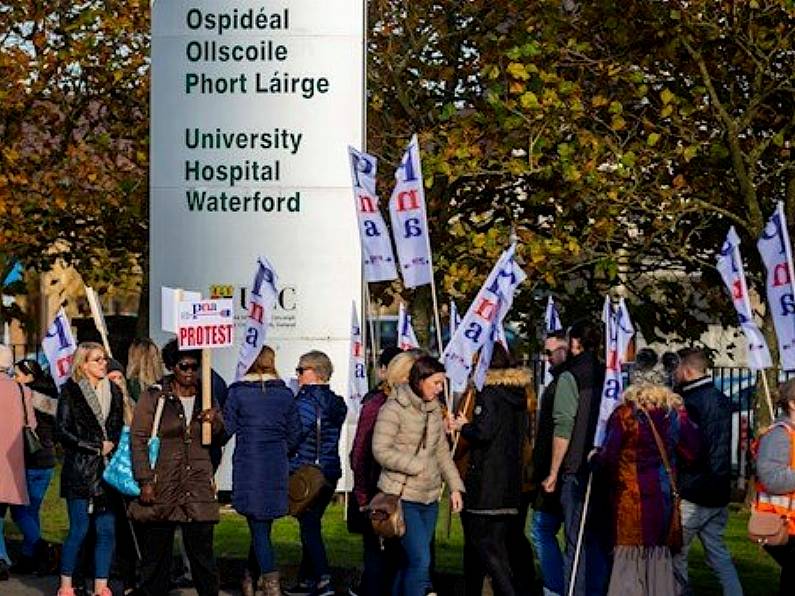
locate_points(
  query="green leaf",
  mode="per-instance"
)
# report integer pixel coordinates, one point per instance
(653, 139)
(666, 96)
(529, 100)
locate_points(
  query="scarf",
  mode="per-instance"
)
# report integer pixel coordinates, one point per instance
(98, 400)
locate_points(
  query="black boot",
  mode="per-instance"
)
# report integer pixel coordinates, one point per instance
(25, 565)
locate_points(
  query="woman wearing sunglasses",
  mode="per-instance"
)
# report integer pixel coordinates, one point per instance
(322, 414)
(88, 426)
(179, 491)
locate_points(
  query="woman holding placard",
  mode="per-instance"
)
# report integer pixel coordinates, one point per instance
(179, 491)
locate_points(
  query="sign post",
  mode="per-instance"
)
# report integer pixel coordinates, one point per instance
(206, 325)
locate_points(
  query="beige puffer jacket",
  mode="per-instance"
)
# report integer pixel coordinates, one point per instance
(398, 431)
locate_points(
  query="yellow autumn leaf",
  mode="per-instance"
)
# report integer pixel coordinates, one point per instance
(518, 71)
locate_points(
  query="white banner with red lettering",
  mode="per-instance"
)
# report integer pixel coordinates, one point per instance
(262, 299)
(618, 333)
(730, 266)
(406, 339)
(377, 257)
(409, 219)
(476, 327)
(59, 347)
(357, 382)
(776, 254)
(206, 324)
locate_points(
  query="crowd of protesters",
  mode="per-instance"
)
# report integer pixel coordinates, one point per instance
(629, 510)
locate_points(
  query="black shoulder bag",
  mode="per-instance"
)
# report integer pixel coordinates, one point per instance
(32, 442)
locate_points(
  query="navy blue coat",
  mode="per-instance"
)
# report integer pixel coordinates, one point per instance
(267, 430)
(707, 482)
(313, 400)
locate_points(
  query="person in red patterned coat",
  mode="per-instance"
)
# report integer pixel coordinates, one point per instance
(393, 369)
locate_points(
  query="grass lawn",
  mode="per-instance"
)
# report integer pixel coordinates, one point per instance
(758, 572)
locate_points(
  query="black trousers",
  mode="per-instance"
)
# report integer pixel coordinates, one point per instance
(784, 555)
(520, 551)
(157, 557)
(486, 553)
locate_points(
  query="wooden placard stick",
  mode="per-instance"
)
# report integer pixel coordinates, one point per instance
(207, 393)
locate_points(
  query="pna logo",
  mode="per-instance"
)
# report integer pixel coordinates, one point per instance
(209, 309)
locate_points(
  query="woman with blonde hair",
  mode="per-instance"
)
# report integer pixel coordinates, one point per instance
(88, 426)
(645, 437)
(144, 366)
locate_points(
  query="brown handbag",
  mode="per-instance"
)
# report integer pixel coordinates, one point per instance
(768, 528)
(306, 482)
(675, 533)
(386, 510)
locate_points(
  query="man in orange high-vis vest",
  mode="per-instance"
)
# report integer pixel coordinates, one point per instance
(775, 469)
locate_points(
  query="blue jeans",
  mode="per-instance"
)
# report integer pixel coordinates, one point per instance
(415, 578)
(544, 534)
(593, 569)
(27, 516)
(314, 562)
(3, 552)
(79, 521)
(261, 539)
(709, 524)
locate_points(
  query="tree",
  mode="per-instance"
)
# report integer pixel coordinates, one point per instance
(618, 141)
(74, 137)
(594, 135)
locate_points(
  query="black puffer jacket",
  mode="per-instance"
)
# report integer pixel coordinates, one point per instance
(707, 481)
(78, 430)
(496, 436)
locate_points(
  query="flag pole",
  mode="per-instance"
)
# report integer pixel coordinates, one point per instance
(767, 396)
(372, 339)
(580, 534)
(437, 321)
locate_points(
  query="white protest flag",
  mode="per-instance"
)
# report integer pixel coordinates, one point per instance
(407, 339)
(506, 288)
(552, 324)
(476, 327)
(357, 381)
(551, 317)
(377, 256)
(776, 254)
(59, 347)
(409, 220)
(618, 333)
(730, 266)
(261, 302)
(455, 319)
